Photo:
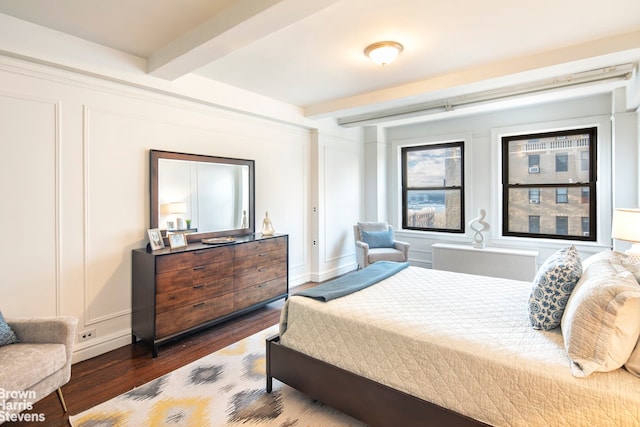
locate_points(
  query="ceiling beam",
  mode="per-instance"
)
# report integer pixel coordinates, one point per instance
(240, 24)
(618, 74)
(594, 54)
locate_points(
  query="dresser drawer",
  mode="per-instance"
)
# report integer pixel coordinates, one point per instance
(259, 275)
(260, 292)
(180, 279)
(268, 245)
(191, 259)
(174, 321)
(213, 287)
(259, 261)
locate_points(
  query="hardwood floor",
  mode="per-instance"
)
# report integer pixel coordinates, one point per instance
(106, 376)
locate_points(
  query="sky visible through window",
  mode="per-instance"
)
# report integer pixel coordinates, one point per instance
(427, 168)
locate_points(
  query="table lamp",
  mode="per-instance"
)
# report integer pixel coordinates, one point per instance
(177, 209)
(626, 226)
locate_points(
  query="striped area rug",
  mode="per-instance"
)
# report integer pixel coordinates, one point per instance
(226, 388)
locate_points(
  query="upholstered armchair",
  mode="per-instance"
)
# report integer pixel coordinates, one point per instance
(39, 363)
(375, 241)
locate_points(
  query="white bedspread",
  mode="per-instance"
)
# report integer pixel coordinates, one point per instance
(463, 342)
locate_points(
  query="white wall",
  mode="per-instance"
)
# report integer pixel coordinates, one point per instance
(617, 158)
(337, 205)
(75, 188)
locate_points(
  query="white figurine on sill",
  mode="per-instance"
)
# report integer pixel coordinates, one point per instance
(479, 225)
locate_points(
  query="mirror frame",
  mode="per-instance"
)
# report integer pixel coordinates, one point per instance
(156, 155)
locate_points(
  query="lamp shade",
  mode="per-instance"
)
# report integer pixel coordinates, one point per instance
(177, 208)
(626, 225)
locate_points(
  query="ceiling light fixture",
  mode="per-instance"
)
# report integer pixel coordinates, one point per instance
(383, 53)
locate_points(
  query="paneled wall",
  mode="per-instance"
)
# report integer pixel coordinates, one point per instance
(75, 188)
(30, 204)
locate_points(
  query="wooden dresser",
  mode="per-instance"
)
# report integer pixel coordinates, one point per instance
(175, 292)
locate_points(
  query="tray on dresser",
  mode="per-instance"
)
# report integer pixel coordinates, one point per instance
(218, 240)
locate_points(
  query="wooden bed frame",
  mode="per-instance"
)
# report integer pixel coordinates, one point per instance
(368, 401)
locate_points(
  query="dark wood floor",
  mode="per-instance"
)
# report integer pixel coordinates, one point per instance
(106, 376)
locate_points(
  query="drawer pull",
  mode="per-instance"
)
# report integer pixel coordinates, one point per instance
(200, 304)
(201, 252)
(198, 286)
(261, 270)
(198, 268)
(262, 254)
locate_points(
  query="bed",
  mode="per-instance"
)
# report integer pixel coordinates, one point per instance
(428, 347)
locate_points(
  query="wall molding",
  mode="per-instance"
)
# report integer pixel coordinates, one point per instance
(57, 218)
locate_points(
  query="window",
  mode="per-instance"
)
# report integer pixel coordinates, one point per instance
(534, 163)
(585, 225)
(534, 196)
(553, 201)
(584, 195)
(433, 187)
(562, 162)
(562, 225)
(584, 160)
(562, 195)
(534, 223)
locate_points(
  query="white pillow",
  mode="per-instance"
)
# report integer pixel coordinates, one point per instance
(632, 263)
(601, 323)
(633, 364)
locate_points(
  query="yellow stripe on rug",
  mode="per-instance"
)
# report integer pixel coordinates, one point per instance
(226, 388)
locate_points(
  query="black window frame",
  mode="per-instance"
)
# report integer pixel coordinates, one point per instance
(591, 184)
(405, 189)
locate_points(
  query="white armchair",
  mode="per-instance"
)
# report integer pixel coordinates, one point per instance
(375, 241)
(39, 363)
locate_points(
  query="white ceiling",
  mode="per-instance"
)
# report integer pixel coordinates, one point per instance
(309, 53)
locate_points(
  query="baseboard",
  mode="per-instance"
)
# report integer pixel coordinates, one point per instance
(328, 275)
(102, 346)
(299, 279)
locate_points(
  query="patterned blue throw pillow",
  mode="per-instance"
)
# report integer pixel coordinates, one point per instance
(378, 239)
(552, 287)
(7, 336)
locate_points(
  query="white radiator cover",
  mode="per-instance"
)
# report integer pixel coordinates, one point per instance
(495, 262)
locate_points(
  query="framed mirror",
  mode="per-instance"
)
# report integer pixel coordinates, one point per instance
(202, 196)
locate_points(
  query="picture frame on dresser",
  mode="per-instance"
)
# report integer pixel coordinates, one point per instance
(177, 240)
(155, 239)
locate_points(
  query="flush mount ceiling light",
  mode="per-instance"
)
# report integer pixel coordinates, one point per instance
(383, 53)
